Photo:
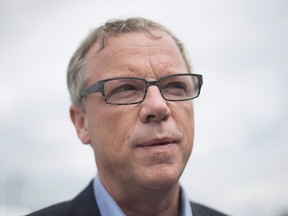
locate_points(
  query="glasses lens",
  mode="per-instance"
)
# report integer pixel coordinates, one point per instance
(124, 90)
(180, 87)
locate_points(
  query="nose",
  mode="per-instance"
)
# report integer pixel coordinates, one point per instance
(154, 108)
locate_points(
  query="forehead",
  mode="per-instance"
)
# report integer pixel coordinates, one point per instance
(132, 51)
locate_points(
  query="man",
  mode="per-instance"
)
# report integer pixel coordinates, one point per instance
(131, 88)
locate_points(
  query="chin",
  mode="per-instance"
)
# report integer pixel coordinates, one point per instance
(162, 179)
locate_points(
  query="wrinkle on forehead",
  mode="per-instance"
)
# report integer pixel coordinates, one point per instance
(149, 56)
(159, 68)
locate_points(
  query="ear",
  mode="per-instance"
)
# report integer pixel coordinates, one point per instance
(79, 119)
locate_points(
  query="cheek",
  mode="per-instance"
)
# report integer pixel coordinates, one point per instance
(189, 116)
(190, 132)
(110, 130)
(184, 117)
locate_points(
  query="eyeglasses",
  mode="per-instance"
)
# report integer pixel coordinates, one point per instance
(132, 90)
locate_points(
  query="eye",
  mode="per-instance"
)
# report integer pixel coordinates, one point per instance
(174, 89)
(118, 89)
(175, 85)
(124, 88)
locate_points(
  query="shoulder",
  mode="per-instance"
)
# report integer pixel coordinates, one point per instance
(82, 205)
(57, 209)
(201, 210)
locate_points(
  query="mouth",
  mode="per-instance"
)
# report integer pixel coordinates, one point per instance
(158, 143)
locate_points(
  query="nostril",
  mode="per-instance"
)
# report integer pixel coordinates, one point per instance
(153, 115)
(150, 118)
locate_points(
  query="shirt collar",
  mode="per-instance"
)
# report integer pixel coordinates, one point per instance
(105, 202)
(185, 209)
(108, 206)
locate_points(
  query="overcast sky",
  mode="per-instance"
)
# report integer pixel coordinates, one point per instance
(239, 161)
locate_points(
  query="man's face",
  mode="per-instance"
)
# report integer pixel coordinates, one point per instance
(141, 145)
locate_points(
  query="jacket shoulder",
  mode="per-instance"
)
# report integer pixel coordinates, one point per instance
(57, 209)
(82, 205)
(201, 210)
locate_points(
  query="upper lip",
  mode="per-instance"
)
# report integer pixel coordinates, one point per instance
(158, 141)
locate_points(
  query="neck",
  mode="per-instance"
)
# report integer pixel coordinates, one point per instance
(146, 202)
(160, 207)
(137, 200)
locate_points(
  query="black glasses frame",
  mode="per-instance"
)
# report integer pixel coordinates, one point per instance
(99, 87)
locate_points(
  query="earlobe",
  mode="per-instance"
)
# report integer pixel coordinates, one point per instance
(79, 120)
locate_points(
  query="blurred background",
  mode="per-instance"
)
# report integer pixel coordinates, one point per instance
(240, 156)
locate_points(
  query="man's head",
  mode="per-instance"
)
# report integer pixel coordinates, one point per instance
(77, 69)
(146, 144)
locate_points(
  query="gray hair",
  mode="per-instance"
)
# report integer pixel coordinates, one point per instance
(77, 72)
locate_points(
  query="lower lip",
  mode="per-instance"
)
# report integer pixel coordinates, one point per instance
(156, 147)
